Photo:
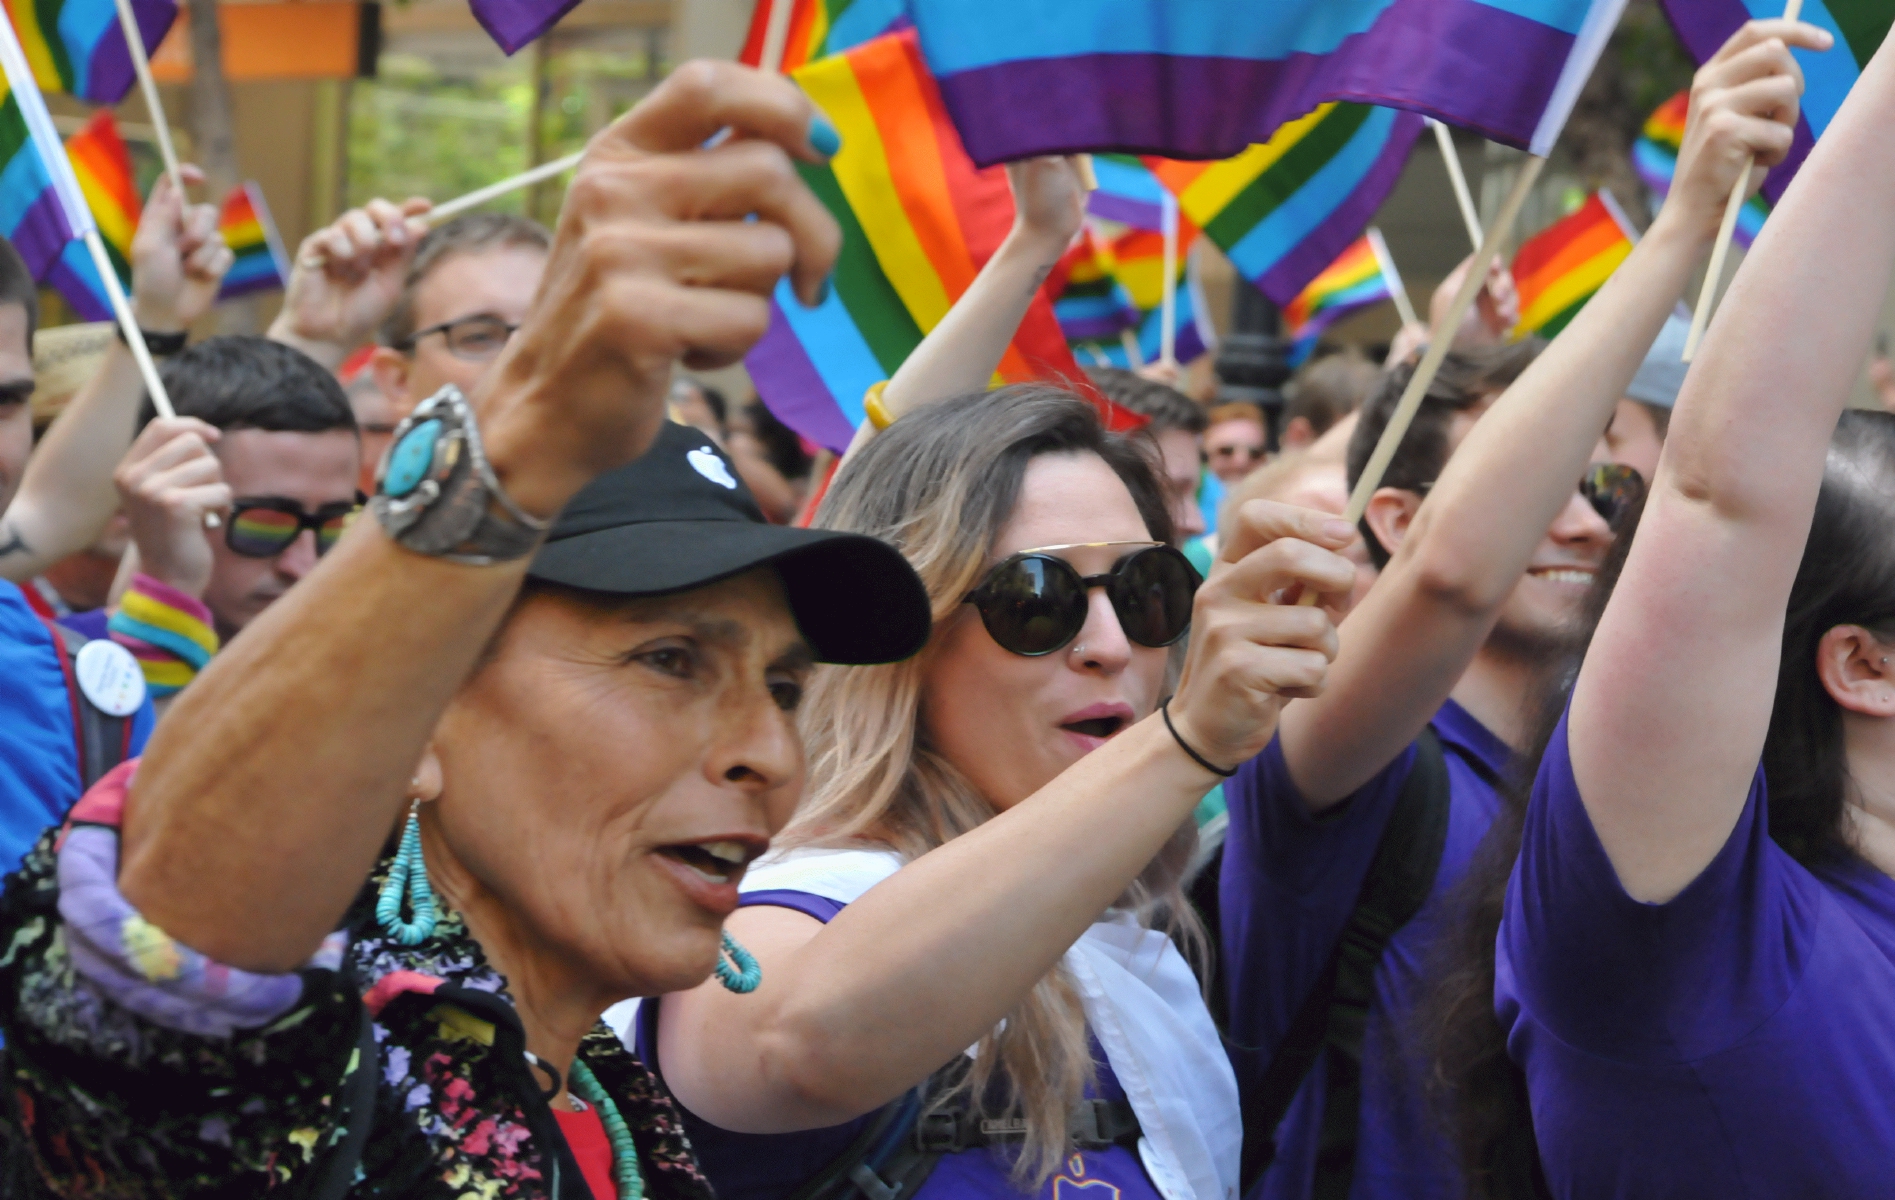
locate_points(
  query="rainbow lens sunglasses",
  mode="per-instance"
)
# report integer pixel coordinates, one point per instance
(265, 526)
(1035, 602)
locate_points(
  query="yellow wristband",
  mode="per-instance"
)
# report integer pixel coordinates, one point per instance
(872, 406)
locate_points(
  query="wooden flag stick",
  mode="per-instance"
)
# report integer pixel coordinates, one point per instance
(1168, 306)
(135, 44)
(128, 324)
(1088, 178)
(1440, 341)
(1444, 137)
(1397, 289)
(776, 35)
(493, 191)
(1134, 357)
(1726, 231)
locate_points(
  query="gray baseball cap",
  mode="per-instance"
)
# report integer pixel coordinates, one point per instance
(1662, 373)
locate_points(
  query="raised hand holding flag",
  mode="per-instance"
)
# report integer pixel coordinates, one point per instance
(45, 213)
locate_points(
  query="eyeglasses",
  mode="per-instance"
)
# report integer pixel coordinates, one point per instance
(475, 339)
(265, 526)
(1034, 602)
(1611, 489)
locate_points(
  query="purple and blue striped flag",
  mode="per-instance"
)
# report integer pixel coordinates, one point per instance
(43, 211)
(1200, 79)
(1128, 192)
(1857, 25)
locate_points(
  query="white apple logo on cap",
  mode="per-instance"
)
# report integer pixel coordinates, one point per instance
(706, 463)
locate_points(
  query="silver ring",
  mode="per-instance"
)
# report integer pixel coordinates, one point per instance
(213, 521)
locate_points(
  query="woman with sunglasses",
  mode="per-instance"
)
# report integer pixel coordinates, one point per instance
(1696, 964)
(991, 848)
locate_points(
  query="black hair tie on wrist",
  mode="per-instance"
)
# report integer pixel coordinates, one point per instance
(1185, 746)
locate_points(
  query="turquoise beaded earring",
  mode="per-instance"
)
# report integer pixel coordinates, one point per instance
(408, 876)
(746, 975)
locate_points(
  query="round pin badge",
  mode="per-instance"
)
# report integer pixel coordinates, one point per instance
(109, 677)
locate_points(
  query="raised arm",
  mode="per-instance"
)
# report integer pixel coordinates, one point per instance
(853, 1013)
(1671, 709)
(1405, 646)
(961, 354)
(347, 277)
(266, 795)
(67, 495)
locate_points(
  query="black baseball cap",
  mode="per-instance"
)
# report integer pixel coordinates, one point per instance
(679, 518)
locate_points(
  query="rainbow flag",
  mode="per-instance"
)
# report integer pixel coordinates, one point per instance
(104, 169)
(1202, 79)
(1858, 25)
(42, 209)
(1284, 209)
(1655, 158)
(261, 264)
(78, 46)
(1128, 192)
(819, 28)
(1362, 276)
(1088, 299)
(918, 220)
(1558, 269)
(1192, 333)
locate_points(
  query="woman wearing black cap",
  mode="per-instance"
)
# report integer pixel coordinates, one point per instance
(996, 828)
(199, 994)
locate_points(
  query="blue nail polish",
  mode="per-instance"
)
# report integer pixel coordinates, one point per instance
(823, 138)
(823, 289)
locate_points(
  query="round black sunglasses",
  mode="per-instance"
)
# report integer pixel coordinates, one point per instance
(1034, 602)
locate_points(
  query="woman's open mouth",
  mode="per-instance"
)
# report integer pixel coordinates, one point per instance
(715, 862)
(1099, 727)
(1092, 725)
(709, 871)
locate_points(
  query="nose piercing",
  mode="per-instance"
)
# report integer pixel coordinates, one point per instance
(1081, 649)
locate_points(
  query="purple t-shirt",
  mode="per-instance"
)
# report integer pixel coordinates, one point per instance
(1289, 883)
(1738, 1040)
(743, 1166)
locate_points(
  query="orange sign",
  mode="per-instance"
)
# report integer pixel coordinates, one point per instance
(304, 39)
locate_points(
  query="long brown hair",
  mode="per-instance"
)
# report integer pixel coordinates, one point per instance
(940, 484)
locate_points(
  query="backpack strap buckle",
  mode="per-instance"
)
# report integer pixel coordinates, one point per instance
(1097, 1124)
(940, 1133)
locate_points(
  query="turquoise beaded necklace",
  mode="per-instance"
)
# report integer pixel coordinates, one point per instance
(631, 1184)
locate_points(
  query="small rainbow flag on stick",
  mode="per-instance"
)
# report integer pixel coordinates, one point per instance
(1559, 268)
(1128, 192)
(261, 264)
(78, 46)
(818, 28)
(104, 170)
(917, 221)
(1090, 302)
(1362, 276)
(1284, 209)
(1655, 157)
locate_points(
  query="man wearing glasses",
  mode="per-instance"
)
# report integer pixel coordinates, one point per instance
(440, 304)
(223, 530)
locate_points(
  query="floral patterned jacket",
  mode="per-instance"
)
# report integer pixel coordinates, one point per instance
(137, 1069)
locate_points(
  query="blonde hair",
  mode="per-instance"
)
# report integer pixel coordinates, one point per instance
(939, 484)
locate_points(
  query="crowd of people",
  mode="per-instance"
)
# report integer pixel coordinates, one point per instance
(458, 755)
